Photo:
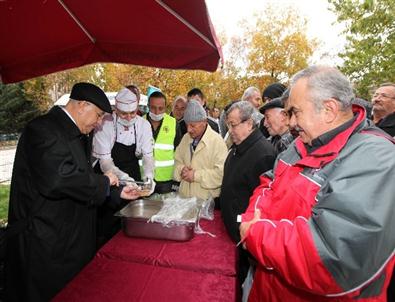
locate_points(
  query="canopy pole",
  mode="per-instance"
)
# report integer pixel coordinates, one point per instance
(203, 37)
(77, 21)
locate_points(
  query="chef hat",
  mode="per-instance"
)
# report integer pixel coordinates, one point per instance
(194, 112)
(126, 100)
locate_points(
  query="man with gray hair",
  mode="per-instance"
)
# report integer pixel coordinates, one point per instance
(384, 105)
(321, 223)
(200, 156)
(250, 156)
(252, 95)
(277, 123)
(178, 108)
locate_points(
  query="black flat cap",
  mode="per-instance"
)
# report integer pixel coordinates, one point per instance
(92, 94)
(275, 103)
(273, 91)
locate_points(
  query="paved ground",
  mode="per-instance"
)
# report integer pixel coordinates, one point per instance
(6, 163)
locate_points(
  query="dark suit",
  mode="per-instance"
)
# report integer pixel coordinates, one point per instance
(388, 124)
(243, 166)
(52, 213)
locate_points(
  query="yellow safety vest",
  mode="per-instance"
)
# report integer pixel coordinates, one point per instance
(164, 149)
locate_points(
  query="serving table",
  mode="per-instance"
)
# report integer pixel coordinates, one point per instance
(138, 269)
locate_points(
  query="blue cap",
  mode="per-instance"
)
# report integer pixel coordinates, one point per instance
(151, 89)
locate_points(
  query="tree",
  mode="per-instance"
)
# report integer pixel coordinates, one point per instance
(234, 75)
(38, 90)
(171, 82)
(116, 76)
(369, 57)
(45, 90)
(15, 109)
(279, 46)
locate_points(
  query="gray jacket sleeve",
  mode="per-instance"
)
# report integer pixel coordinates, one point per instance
(353, 222)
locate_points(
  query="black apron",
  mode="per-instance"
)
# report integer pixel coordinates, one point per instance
(124, 158)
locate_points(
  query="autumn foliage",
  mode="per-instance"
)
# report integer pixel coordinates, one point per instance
(271, 48)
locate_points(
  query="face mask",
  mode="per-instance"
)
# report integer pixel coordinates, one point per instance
(156, 117)
(126, 123)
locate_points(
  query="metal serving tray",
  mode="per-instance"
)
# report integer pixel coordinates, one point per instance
(135, 222)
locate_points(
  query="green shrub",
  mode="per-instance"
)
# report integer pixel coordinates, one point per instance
(4, 199)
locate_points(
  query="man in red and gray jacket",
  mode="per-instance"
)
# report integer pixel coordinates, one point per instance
(321, 224)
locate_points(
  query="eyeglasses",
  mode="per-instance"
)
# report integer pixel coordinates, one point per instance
(383, 95)
(232, 126)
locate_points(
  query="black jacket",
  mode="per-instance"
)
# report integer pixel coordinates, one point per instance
(243, 166)
(53, 199)
(281, 142)
(388, 124)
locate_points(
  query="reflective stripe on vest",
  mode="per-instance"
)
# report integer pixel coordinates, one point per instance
(163, 147)
(161, 163)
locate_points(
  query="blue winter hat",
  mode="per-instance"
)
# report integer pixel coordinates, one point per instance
(151, 89)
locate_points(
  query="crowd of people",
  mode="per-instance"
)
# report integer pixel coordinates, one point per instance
(303, 177)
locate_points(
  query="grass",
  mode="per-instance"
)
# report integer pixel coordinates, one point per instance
(4, 199)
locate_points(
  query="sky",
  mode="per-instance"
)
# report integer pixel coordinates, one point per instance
(321, 22)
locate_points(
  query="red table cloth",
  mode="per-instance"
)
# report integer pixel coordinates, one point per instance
(137, 269)
(203, 253)
(113, 280)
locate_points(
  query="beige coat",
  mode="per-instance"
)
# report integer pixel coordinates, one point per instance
(207, 161)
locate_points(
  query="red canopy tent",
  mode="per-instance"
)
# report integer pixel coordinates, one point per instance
(38, 37)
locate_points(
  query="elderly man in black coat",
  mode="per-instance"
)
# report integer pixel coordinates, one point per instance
(384, 105)
(249, 157)
(53, 199)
